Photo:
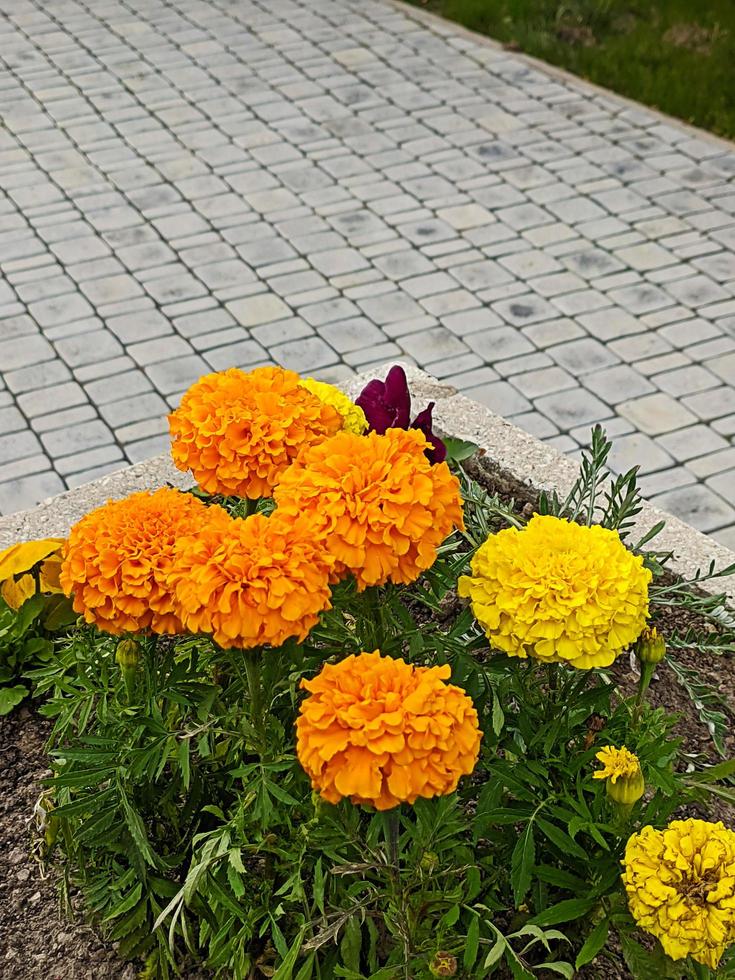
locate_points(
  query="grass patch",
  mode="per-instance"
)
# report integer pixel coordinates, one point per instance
(675, 55)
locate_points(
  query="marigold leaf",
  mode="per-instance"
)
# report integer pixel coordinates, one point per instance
(593, 943)
(566, 911)
(472, 944)
(285, 970)
(522, 862)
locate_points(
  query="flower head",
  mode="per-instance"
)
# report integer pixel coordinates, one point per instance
(118, 558)
(387, 405)
(237, 432)
(681, 887)
(17, 582)
(260, 580)
(353, 417)
(379, 504)
(381, 731)
(622, 772)
(558, 591)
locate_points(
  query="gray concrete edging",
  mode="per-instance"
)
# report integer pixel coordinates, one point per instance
(515, 450)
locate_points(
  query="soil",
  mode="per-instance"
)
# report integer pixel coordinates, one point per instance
(39, 940)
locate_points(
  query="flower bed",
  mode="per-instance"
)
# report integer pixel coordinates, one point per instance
(241, 779)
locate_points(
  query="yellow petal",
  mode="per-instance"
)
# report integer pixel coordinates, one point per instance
(16, 593)
(22, 557)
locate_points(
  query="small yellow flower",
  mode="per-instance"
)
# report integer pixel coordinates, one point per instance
(681, 887)
(559, 592)
(622, 771)
(651, 647)
(353, 416)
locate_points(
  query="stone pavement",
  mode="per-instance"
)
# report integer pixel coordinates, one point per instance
(331, 184)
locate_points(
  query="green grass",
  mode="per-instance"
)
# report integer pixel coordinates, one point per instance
(676, 55)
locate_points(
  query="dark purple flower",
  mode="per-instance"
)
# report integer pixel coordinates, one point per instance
(424, 422)
(387, 405)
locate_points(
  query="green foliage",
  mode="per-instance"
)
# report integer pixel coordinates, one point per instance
(25, 640)
(671, 54)
(181, 812)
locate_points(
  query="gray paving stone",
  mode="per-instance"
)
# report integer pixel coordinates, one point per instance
(24, 351)
(686, 380)
(568, 409)
(177, 373)
(636, 449)
(53, 398)
(64, 418)
(350, 335)
(127, 410)
(76, 438)
(656, 414)
(697, 440)
(88, 348)
(711, 404)
(618, 383)
(500, 397)
(698, 505)
(109, 456)
(27, 491)
(433, 345)
(582, 356)
(304, 355)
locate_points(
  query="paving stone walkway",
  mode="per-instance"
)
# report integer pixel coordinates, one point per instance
(331, 184)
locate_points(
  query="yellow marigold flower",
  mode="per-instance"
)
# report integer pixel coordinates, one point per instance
(381, 506)
(16, 587)
(681, 887)
(558, 591)
(622, 770)
(381, 731)
(237, 432)
(353, 417)
(259, 580)
(118, 558)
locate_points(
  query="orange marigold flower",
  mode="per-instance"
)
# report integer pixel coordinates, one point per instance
(381, 506)
(118, 557)
(258, 581)
(383, 732)
(237, 432)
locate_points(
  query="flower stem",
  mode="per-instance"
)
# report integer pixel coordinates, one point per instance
(251, 660)
(647, 671)
(372, 625)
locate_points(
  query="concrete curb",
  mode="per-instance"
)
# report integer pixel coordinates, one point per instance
(512, 448)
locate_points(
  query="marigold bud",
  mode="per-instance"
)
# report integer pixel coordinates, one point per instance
(627, 790)
(428, 861)
(127, 656)
(127, 653)
(443, 965)
(650, 647)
